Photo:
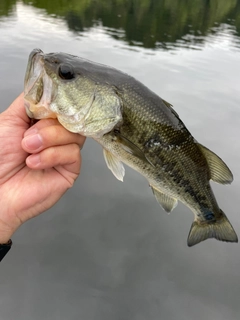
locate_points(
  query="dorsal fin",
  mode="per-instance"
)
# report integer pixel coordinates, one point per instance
(219, 171)
(170, 106)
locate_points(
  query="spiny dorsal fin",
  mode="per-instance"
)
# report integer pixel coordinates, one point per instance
(219, 171)
(170, 106)
(166, 202)
(114, 165)
(220, 229)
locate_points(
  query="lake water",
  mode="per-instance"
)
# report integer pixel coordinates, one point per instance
(107, 251)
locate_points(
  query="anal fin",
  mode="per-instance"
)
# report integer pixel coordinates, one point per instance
(166, 202)
(114, 164)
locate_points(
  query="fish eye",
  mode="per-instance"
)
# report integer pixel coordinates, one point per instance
(65, 72)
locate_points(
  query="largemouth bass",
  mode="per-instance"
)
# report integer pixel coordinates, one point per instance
(135, 127)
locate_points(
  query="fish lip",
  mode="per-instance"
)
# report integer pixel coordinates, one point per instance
(35, 52)
(27, 108)
(33, 74)
(39, 89)
(34, 70)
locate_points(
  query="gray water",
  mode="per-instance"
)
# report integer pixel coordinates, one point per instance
(107, 251)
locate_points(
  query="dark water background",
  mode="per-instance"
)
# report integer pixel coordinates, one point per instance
(107, 251)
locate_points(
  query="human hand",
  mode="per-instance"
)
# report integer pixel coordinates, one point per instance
(31, 184)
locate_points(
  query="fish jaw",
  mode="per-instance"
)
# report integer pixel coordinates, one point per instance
(39, 88)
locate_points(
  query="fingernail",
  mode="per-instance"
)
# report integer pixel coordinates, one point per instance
(33, 142)
(30, 132)
(34, 159)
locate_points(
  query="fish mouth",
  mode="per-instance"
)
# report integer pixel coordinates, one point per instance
(38, 87)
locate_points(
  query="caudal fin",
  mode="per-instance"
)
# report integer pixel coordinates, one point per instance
(220, 229)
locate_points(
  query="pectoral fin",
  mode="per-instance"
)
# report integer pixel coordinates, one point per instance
(131, 148)
(114, 165)
(219, 171)
(166, 202)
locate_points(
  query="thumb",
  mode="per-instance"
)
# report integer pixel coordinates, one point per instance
(16, 112)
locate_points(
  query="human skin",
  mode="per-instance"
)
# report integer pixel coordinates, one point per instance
(38, 164)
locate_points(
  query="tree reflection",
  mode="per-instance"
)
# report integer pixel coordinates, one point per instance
(147, 23)
(7, 7)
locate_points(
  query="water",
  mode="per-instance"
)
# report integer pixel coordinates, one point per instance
(107, 250)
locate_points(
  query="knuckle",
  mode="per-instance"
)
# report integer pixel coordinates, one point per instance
(51, 155)
(75, 148)
(50, 135)
(61, 154)
(75, 151)
(49, 122)
(55, 133)
(81, 140)
(43, 123)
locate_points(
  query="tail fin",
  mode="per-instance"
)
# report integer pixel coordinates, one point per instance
(220, 229)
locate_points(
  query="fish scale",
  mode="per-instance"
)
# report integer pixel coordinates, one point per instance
(135, 127)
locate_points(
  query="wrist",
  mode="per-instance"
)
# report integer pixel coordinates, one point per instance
(6, 232)
(5, 237)
(9, 223)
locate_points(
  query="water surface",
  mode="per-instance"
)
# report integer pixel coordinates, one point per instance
(107, 250)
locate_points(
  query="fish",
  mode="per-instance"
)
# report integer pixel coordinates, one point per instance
(135, 127)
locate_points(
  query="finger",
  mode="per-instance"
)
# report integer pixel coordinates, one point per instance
(49, 136)
(41, 124)
(16, 114)
(17, 109)
(68, 156)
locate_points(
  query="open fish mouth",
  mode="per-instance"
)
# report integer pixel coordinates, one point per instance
(38, 88)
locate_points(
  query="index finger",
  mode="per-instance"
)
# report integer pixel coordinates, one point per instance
(43, 135)
(17, 109)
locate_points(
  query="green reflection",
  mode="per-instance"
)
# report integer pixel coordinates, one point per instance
(7, 7)
(148, 23)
